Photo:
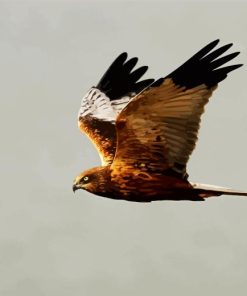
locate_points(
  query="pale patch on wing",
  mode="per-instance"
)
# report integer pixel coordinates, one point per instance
(119, 104)
(96, 104)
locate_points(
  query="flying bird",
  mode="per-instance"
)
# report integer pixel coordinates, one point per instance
(145, 131)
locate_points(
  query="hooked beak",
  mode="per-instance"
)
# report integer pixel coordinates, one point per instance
(75, 187)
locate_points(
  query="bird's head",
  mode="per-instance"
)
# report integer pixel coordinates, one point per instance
(94, 180)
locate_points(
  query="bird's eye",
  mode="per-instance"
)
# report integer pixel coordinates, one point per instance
(85, 179)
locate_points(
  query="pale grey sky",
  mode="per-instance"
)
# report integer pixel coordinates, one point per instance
(53, 242)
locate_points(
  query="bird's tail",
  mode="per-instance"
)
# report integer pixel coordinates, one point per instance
(205, 190)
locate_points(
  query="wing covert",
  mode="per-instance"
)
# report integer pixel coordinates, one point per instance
(158, 130)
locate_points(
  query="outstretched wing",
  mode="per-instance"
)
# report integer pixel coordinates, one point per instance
(157, 131)
(101, 105)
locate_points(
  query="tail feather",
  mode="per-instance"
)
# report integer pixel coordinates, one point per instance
(206, 190)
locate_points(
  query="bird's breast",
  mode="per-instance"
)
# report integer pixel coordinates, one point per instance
(141, 184)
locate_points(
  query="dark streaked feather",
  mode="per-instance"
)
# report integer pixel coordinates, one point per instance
(119, 81)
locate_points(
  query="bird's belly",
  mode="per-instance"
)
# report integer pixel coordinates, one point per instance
(144, 187)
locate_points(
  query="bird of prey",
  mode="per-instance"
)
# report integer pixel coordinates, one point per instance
(145, 131)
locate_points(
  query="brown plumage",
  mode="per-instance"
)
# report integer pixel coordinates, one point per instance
(104, 138)
(146, 131)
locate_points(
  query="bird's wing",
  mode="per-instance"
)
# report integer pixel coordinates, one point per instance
(101, 105)
(157, 131)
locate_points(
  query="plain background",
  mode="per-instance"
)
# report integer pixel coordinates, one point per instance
(53, 242)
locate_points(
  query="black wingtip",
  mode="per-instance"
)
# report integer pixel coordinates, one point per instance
(232, 67)
(206, 49)
(130, 64)
(215, 42)
(202, 68)
(121, 78)
(138, 73)
(120, 59)
(212, 44)
(123, 55)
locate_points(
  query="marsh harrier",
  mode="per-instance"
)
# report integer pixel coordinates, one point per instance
(145, 131)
